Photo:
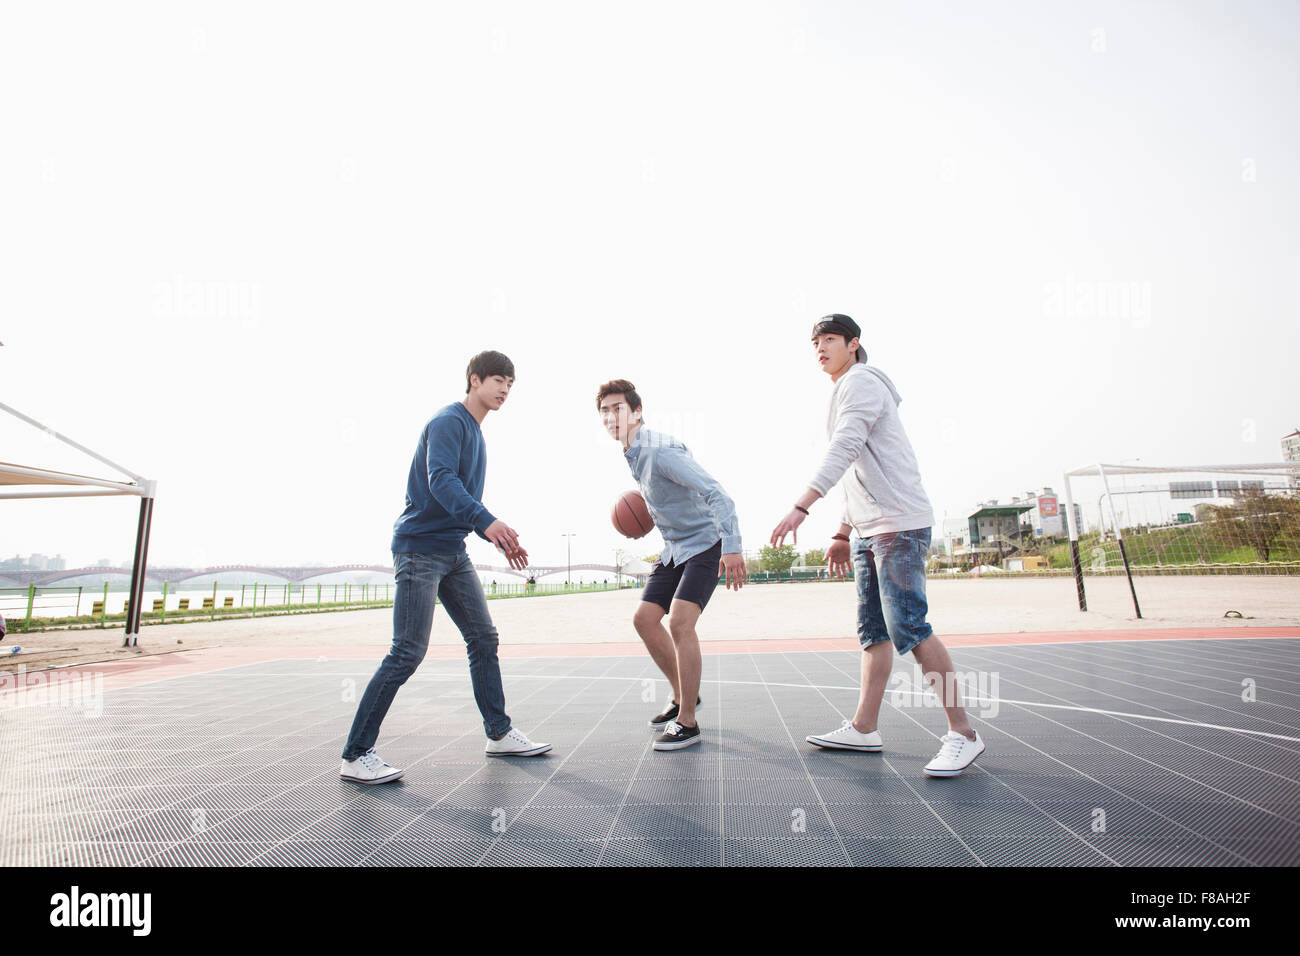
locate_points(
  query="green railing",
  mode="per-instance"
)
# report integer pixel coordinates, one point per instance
(34, 608)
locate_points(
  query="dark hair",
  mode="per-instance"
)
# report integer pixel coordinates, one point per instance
(487, 364)
(620, 386)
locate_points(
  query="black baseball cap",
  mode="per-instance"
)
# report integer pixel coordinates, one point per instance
(838, 324)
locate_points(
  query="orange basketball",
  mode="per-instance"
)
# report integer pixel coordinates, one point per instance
(631, 517)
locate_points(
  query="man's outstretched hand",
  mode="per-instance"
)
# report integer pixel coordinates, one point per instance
(506, 540)
(733, 566)
(789, 525)
(837, 559)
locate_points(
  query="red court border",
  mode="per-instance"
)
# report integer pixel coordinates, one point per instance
(155, 667)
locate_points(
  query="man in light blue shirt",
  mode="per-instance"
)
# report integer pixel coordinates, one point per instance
(701, 544)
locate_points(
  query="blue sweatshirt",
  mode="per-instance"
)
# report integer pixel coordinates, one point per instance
(445, 487)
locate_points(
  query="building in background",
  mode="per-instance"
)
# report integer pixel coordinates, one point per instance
(992, 524)
(34, 562)
(1025, 562)
(956, 536)
(1046, 517)
(1291, 446)
(1291, 452)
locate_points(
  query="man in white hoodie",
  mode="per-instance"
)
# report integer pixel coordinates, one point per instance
(887, 510)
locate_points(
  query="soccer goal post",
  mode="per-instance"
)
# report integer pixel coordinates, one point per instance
(1192, 519)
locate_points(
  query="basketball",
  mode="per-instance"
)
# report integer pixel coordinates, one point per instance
(630, 516)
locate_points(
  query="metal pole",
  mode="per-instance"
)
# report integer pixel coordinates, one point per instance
(1119, 539)
(81, 448)
(568, 535)
(131, 636)
(1073, 525)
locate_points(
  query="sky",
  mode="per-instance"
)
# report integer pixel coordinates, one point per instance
(248, 250)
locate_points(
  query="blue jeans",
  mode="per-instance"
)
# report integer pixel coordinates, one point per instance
(419, 577)
(889, 569)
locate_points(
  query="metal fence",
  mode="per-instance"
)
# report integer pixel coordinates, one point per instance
(35, 607)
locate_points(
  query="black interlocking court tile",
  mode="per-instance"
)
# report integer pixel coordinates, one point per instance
(662, 853)
(1259, 852)
(444, 822)
(560, 823)
(1171, 852)
(440, 853)
(104, 853)
(225, 769)
(206, 854)
(544, 853)
(784, 851)
(808, 820)
(571, 791)
(171, 825)
(1019, 851)
(314, 853)
(1001, 819)
(1116, 817)
(255, 826)
(658, 790)
(887, 821)
(357, 824)
(678, 821)
(933, 851)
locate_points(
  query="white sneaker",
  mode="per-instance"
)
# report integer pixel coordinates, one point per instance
(849, 738)
(368, 768)
(956, 754)
(515, 744)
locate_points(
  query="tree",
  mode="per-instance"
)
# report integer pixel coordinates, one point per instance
(1260, 520)
(652, 558)
(778, 559)
(814, 558)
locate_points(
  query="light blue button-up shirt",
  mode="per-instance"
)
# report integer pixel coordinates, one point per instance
(688, 506)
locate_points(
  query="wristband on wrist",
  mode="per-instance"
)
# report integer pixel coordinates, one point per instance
(839, 537)
(801, 508)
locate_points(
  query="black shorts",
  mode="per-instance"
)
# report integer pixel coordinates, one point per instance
(692, 581)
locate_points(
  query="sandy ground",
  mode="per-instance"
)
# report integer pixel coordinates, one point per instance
(759, 612)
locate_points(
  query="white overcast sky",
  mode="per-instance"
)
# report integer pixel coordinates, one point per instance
(247, 249)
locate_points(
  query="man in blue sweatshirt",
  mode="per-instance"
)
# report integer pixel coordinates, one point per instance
(443, 504)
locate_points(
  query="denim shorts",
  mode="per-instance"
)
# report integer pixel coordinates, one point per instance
(889, 569)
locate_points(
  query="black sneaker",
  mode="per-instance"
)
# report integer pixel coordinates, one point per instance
(660, 721)
(675, 737)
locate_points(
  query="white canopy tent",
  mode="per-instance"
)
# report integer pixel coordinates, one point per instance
(21, 481)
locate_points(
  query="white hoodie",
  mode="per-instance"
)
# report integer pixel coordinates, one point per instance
(882, 487)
